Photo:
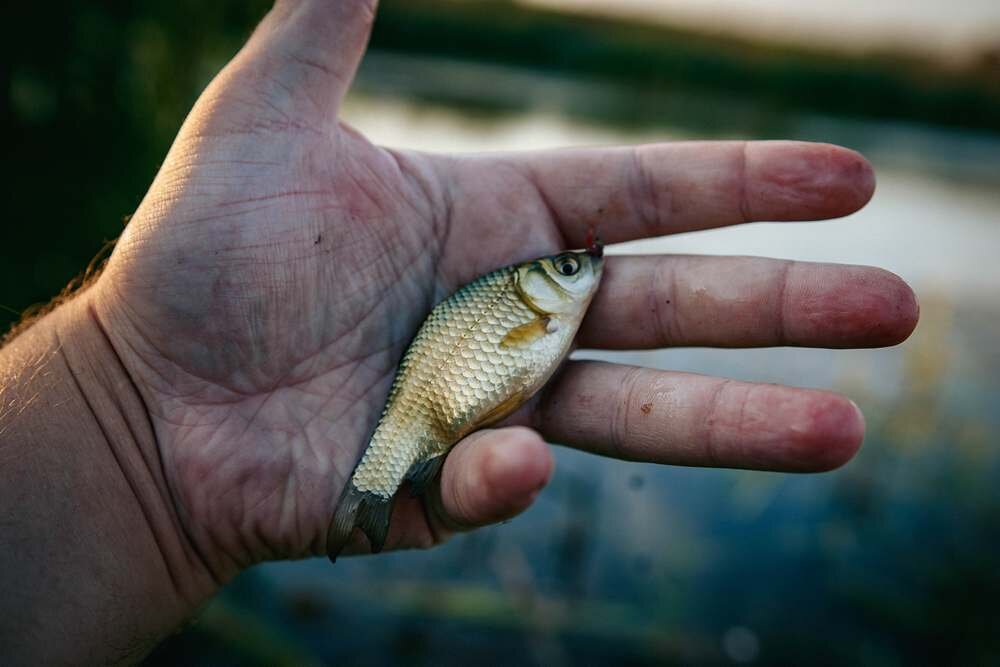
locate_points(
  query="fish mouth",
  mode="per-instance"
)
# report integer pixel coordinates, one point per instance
(597, 262)
(595, 248)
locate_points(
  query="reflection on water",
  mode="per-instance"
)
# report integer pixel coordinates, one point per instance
(885, 561)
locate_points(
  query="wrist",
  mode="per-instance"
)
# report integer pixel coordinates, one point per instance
(95, 537)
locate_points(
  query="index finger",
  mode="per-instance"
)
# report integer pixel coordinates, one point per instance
(635, 192)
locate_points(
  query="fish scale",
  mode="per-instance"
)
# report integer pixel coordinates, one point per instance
(479, 355)
(459, 363)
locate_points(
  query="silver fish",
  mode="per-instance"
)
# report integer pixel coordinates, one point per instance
(478, 356)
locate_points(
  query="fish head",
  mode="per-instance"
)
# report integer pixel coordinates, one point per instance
(562, 284)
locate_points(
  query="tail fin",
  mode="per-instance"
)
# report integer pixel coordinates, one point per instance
(358, 509)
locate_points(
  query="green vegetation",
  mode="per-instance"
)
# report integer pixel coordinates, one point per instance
(92, 95)
(655, 58)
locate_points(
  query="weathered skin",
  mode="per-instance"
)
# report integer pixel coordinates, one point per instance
(479, 355)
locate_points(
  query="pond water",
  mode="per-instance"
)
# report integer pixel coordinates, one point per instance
(883, 562)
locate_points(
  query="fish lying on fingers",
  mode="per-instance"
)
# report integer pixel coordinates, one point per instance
(478, 356)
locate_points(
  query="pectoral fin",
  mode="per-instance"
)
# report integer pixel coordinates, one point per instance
(526, 334)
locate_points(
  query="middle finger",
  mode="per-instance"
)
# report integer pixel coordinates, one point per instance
(672, 300)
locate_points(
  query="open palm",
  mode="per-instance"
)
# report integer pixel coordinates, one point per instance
(267, 286)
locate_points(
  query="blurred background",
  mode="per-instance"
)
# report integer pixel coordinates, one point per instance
(890, 560)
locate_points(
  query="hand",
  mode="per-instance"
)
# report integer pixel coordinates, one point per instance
(270, 281)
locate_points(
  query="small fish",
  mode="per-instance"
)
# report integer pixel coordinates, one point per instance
(478, 356)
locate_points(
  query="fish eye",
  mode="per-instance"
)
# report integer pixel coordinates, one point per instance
(567, 265)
